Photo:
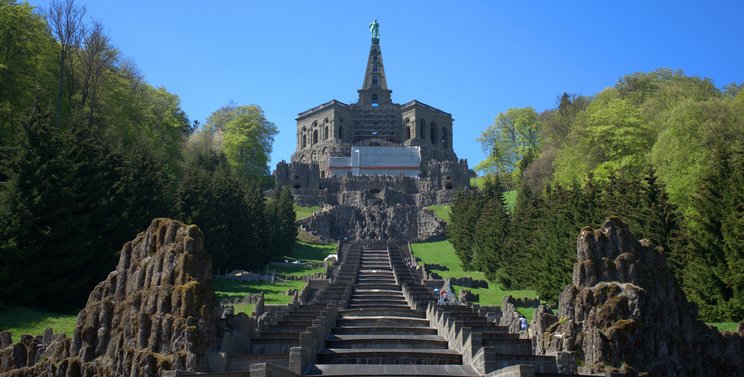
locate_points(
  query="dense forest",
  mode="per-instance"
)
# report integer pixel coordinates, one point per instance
(661, 150)
(91, 153)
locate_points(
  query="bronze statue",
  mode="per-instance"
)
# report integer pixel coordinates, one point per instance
(374, 29)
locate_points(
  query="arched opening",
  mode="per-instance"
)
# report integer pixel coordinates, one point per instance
(448, 185)
(374, 68)
(408, 132)
(433, 133)
(304, 141)
(315, 136)
(445, 134)
(422, 127)
(375, 100)
(322, 174)
(374, 191)
(375, 80)
(374, 58)
(296, 186)
(340, 132)
(325, 133)
(372, 218)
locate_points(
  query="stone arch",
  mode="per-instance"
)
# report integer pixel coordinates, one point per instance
(304, 140)
(325, 133)
(433, 132)
(422, 128)
(375, 100)
(408, 132)
(445, 137)
(322, 174)
(340, 132)
(315, 137)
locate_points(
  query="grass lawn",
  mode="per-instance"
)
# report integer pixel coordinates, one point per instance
(21, 320)
(443, 253)
(308, 253)
(303, 212)
(440, 211)
(273, 293)
(724, 326)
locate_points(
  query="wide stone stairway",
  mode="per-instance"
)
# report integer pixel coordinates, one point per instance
(379, 334)
(373, 317)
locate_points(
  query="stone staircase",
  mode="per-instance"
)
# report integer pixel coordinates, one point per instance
(379, 334)
(375, 318)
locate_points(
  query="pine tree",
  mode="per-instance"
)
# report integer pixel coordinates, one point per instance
(466, 210)
(705, 271)
(732, 231)
(526, 222)
(282, 225)
(490, 251)
(60, 203)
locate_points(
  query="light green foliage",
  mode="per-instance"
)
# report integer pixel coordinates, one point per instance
(440, 211)
(26, 63)
(246, 138)
(510, 198)
(689, 132)
(477, 182)
(21, 320)
(304, 212)
(724, 326)
(443, 253)
(609, 137)
(512, 137)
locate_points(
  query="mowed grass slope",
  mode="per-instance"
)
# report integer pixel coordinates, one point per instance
(310, 254)
(21, 321)
(303, 212)
(273, 293)
(443, 253)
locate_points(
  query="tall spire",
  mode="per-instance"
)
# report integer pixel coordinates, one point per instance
(374, 90)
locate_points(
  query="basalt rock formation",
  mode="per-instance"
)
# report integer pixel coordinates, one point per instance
(377, 221)
(624, 311)
(155, 312)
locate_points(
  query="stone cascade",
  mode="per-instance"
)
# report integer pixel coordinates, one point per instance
(380, 334)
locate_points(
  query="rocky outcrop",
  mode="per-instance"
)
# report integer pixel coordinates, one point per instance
(624, 311)
(155, 312)
(375, 221)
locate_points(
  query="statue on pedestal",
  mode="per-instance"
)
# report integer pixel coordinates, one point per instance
(374, 29)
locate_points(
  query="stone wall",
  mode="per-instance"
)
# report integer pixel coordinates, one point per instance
(380, 221)
(624, 310)
(437, 186)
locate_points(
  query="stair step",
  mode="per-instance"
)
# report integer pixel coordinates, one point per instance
(375, 341)
(383, 330)
(344, 370)
(429, 356)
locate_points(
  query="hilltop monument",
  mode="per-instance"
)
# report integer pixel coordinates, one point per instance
(374, 153)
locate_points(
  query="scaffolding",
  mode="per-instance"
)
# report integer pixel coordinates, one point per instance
(374, 122)
(378, 161)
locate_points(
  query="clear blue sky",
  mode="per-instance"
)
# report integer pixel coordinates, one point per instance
(472, 59)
